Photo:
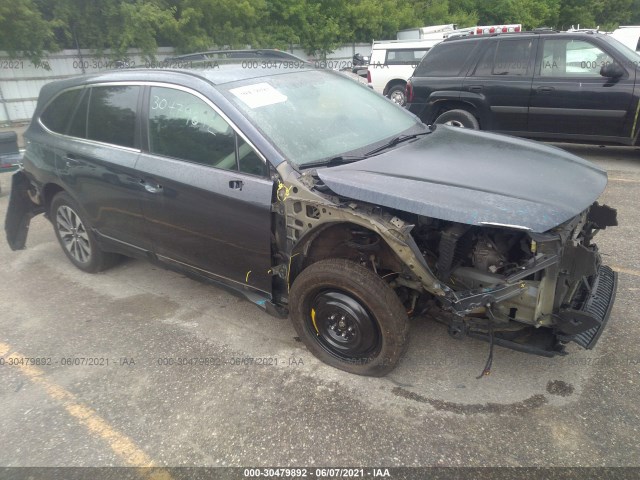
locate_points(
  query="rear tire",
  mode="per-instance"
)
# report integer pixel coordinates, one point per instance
(348, 317)
(76, 238)
(396, 95)
(458, 118)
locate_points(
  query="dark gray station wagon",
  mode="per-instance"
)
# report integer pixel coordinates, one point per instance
(315, 197)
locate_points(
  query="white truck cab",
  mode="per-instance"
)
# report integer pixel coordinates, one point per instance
(629, 36)
(392, 62)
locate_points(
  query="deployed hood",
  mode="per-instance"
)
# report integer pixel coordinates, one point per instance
(473, 177)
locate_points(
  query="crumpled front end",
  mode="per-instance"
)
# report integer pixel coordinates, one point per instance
(533, 292)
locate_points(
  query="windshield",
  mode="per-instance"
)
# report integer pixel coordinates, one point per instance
(315, 115)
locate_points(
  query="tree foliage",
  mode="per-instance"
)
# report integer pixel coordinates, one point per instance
(29, 27)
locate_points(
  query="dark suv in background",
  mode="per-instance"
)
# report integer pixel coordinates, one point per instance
(547, 85)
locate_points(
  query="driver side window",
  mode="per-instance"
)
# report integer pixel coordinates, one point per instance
(183, 126)
(572, 58)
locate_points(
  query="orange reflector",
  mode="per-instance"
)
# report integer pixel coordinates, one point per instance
(313, 319)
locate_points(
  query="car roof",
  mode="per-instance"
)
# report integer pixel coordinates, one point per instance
(526, 34)
(213, 72)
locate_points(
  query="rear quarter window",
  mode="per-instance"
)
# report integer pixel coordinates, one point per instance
(445, 60)
(57, 114)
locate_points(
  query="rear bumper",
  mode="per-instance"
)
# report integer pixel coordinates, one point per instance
(20, 211)
(594, 311)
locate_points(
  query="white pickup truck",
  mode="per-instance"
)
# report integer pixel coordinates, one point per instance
(629, 36)
(392, 62)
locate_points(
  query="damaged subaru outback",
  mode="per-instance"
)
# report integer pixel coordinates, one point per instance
(314, 197)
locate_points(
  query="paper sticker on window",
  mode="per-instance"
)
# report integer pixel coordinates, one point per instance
(259, 95)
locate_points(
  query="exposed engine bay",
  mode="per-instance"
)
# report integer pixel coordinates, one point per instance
(516, 279)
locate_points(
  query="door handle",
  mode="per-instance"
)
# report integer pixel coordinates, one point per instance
(545, 89)
(236, 184)
(150, 187)
(475, 88)
(71, 160)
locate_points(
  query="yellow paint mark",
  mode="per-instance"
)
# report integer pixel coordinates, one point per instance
(246, 280)
(283, 188)
(119, 443)
(635, 120)
(313, 319)
(629, 271)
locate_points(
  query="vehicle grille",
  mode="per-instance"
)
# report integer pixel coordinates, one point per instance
(599, 306)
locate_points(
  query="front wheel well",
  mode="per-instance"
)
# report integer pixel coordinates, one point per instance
(442, 107)
(347, 241)
(393, 83)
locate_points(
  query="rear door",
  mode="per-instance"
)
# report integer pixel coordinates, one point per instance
(96, 159)
(569, 97)
(502, 79)
(208, 193)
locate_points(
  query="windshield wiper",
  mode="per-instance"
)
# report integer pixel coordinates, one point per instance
(395, 141)
(342, 159)
(332, 162)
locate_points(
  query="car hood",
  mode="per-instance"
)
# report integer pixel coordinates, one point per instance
(474, 177)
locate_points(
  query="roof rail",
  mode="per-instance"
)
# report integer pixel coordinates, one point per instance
(235, 54)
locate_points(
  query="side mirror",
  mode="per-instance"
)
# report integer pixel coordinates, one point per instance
(612, 70)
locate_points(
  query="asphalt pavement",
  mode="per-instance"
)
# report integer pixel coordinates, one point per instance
(141, 366)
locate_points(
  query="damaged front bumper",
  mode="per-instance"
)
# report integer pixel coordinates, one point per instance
(591, 315)
(565, 290)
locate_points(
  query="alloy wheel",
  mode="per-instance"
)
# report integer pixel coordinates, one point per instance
(73, 234)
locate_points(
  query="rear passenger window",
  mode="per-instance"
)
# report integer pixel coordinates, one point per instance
(56, 116)
(445, 61)
(183, 126)
(505, 57)
(112, 115)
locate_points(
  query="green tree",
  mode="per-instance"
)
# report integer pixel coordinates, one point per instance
(578, 12)
(144, 26)
(24, 31)
(616, 12)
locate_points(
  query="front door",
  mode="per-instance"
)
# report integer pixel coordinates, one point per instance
(208, 193)
(570, 97)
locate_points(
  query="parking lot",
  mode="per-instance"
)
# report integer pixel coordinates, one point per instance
(145, 366)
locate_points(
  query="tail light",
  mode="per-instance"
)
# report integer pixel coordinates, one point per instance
(517, 29)
(408, 91)
(368, 76)
(492, 30)
(479, 31)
